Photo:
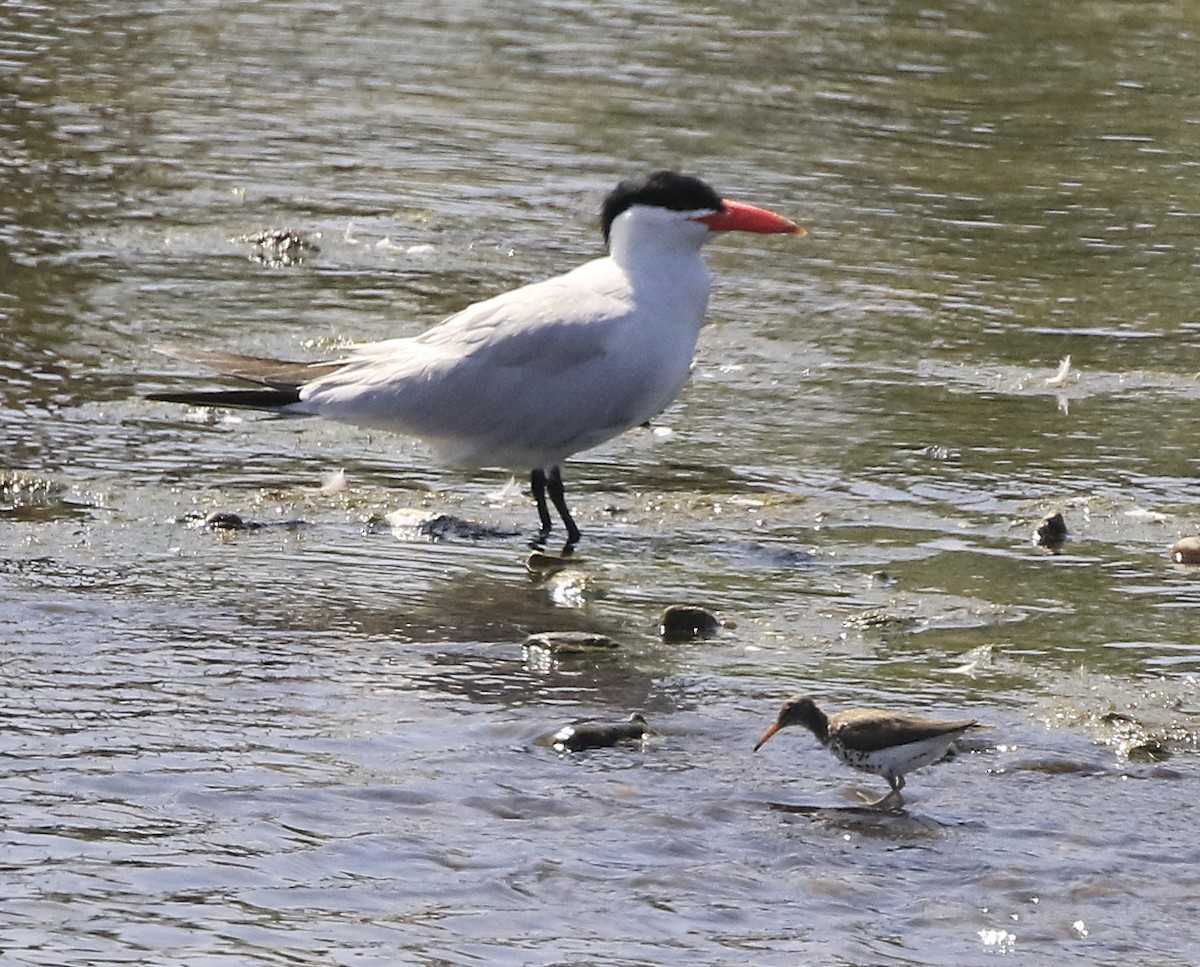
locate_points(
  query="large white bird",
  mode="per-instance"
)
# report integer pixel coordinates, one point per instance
(528, 378)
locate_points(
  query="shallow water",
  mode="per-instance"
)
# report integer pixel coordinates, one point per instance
(321, 741)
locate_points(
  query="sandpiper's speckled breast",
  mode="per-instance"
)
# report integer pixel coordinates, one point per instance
(894, 760)
(874, 762)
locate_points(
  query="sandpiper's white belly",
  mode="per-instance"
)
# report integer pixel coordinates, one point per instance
(896, 760)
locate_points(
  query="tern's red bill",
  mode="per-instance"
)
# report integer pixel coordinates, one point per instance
(739, 217)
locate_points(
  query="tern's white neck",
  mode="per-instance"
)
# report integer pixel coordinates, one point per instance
(659, 251)
(642, 233)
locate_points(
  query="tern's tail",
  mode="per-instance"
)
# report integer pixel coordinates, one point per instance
(251, 399)
(280, 380)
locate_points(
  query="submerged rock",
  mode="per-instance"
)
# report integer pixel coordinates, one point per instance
(573, 738)
(1186, 551)
(1152, 750)
(1052, 531)
(30, 498)
(878, 618)
(16, 486)
(683, 622)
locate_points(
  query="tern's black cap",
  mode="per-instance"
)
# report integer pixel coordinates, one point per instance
(664, 189)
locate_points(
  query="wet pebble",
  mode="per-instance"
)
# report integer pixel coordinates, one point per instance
(541, 562)
(1186, 551)
(1052, 765)
(573, 738)
(683, 622)
(570, 642)
(1052, 531)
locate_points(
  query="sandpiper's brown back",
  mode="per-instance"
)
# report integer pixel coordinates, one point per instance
(868, 730)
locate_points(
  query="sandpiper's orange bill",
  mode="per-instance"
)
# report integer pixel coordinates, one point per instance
(766, 735)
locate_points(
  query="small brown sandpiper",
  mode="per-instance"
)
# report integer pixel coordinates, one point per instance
(888, 744)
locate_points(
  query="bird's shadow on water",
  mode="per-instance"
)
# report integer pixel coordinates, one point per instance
(870, 821)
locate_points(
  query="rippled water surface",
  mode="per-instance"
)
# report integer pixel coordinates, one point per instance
(321, 741)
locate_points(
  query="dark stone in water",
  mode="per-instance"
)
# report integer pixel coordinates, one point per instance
(573, 738)
(570, 642)
(228, 521)
(448, 527)
(1052, 531)
(1186, 551)
(683, 622)
(438, 527)
(224, 520)
(279, 247)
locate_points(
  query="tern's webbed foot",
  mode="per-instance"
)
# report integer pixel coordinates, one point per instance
(538, 543)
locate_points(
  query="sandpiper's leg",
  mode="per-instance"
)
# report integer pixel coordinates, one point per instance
(893, 796)
(897, 784)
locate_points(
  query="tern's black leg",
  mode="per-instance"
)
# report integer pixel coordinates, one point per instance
(537, 483)
(542, 483)
(559, 500)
